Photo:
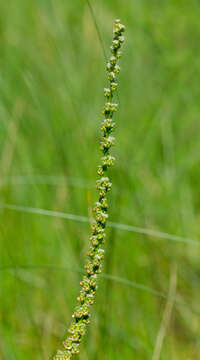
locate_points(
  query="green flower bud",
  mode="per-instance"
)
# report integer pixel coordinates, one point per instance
(97, 207)
(111, 76)
(75, 348)
(104, 182)
(107, 126)
(94, 240)
(81, 297)
(109, 67)
(81, 312)
(63, 355)
(96, 229)
(118, 54)
(102, 193)
(90, 299)
(85, 284)
(113, 86)
(81, 329)
(119, 28)
(116, 69)
(101, 217)
(121, 39)
(107, 143)
(107, 161)
(107, 92)
(101, 205)
(100, 171)
(116, 44)
(109, 108)
(104, 204)
(67, 344)
(113, 60)
(89, 269)
(75, 338)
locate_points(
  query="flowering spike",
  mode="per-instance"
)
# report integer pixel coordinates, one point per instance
(80, 318)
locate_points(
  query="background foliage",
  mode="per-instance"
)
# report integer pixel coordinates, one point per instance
(51, 83)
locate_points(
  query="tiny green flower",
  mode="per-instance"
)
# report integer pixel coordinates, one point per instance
(109, 66)
(100, 171)
(116, 43)
(119, 28)
(107, 161)
(104, 183)
(107, 143)
(107, 126)
(107, 92)
(109, 108)
(121, 39)
(118, 54)
(116, 69)
(111, 76)
(113, 60)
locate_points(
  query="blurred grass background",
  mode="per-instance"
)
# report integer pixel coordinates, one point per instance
(51, 84)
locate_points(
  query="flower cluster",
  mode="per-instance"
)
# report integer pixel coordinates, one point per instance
(81, 316)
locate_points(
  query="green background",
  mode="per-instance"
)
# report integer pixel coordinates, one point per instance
(51, 97)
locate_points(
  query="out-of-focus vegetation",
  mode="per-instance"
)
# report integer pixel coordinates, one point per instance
(51, 84)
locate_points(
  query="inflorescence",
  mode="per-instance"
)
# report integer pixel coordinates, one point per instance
(80, 318)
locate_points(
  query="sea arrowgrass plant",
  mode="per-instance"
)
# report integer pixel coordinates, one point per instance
(81, 315)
